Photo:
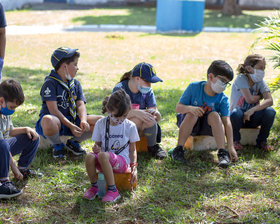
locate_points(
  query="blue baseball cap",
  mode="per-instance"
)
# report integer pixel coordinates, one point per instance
(60, 53)
(146, 71)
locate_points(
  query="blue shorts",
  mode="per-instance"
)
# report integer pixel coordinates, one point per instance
(63, 131)
(201, 127)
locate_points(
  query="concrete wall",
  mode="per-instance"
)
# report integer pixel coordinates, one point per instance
(254, 3)
(17, 4)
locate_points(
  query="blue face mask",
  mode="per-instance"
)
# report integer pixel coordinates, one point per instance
(144, 89)
(5, 111)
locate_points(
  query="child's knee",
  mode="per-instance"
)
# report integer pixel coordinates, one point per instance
(5, 147)
(269, 112)
(102, 156)
(236, 114)
(90, 157)
(48, 121)
(189, 119)
(214, 118)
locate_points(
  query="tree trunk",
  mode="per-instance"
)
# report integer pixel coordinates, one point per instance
(231, 7)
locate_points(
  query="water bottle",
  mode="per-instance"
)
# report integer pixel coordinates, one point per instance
(101, 182)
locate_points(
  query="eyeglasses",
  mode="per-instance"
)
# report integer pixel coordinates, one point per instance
(224, 81)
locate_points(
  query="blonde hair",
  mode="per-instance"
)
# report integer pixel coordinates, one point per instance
(251, 60)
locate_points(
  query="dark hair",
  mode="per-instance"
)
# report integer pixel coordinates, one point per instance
(126, 76)
(67, 60)
(221, 68)
(11, 90)
(251, 60)
(119, 100)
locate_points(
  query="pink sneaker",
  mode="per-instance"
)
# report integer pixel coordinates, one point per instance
(237, 145)
(91, 193)
(111, 196)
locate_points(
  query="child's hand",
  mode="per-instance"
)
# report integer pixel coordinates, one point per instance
(18, 175)
(96, 148)
(76, 131)
(233, 154)
(197, 111)
(32, 134)
(85, 126)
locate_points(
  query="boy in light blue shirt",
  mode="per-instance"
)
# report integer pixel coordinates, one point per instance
(203, 109)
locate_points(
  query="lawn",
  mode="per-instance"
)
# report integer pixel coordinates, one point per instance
(129, 15)
(167, 192)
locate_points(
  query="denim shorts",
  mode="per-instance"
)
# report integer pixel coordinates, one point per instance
(63, 131)
(117, 162)
(201, 127)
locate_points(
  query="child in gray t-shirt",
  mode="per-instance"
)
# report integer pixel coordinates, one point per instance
(246, 107)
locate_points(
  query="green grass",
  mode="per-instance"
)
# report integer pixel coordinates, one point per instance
(126, 15)
(167, 192)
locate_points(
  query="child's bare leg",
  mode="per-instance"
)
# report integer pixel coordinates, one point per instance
(50, 125)
(90, 166)
(186, 128)
(215, 121)
(103, 159)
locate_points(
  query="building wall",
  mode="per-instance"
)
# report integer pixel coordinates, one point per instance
(254, 3)
(17, 4)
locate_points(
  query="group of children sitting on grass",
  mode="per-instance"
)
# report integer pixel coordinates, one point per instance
(203, 109)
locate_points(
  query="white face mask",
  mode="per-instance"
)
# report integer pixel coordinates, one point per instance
(116, 120)
(67, 75)
(257, 76)
(218, 87)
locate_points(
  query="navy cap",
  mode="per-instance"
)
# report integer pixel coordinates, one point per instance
(146, 72)
(60, 53)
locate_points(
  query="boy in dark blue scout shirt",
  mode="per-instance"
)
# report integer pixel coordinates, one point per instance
(2, 38)
(144, 113)
(63, 110)
(203, 109)
(14, 140)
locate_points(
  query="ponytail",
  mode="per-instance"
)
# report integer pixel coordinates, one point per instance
(125, 76)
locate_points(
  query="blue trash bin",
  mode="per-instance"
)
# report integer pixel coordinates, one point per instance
(176, 15)
(169, 15)
(192, 15)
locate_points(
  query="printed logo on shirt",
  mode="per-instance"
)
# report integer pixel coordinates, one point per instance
(116, 145)
(47, 92)
(62, 100)
(195, 103)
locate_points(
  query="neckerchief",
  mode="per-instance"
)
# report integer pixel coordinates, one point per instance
(70, 91)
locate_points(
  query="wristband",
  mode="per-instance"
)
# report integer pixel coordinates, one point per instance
(133, 164)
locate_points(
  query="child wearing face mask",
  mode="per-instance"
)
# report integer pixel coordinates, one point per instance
(63, 109)
(203, 109)
(137, 84)
(14, 140)
(247, 109)
(114, 150)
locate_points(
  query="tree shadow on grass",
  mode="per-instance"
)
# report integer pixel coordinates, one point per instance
(134, 16)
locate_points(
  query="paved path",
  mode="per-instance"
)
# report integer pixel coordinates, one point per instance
(24, 30)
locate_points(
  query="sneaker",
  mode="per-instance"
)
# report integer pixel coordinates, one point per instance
(223, 157)
(8, 190)
(91, 193)
(237, 145)
(59, 151)
(178, 153)
(157, 152)
(111, 196)
(75, 147)
(265, 147)
(27, 173)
